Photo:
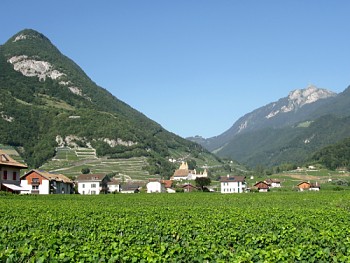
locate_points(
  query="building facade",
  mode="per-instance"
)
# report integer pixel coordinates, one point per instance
(92, 184)
(232, 184)
(10, 173)
(42, 182)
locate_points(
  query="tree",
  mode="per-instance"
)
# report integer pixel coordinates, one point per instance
(85, 170)
(192, 164)
(202, 181)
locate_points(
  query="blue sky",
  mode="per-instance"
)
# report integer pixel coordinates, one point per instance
(195, 67)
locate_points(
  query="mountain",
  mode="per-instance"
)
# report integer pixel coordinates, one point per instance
(288, 130)
(286, 111)
(46, 100)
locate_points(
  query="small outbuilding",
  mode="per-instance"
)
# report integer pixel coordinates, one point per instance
(155, 187)
(262, 187)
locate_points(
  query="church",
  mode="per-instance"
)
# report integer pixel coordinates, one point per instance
(183, 173)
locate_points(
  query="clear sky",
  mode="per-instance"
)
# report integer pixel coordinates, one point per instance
(195, 66)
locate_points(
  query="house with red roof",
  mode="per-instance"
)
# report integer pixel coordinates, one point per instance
(42, 182)
(262, 186)
(307, 186)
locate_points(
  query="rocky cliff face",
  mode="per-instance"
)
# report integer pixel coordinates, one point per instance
(299, 98)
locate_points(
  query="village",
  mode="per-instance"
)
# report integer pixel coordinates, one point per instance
(183, 180)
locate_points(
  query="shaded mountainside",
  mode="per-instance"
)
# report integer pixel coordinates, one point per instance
(288, 130)
(293, 144)
(46, 100)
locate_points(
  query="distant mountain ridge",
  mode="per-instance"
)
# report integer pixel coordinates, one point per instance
(286, 111)
(264, 135)
(46, 100)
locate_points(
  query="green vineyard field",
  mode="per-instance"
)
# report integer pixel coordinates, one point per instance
(199, 227)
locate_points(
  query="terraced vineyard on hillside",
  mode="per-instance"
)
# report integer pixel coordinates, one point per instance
(70, 162)
(276, 227)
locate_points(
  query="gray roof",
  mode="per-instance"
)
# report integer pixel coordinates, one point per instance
(232, 178)
(91, 177)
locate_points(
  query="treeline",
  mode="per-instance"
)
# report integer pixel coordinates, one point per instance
(334, 156)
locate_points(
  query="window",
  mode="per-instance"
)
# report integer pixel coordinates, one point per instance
(93, 192)
(93, 185)
(14, 176)
(35, 180)
(35, 187)
(83, 192)
(83, 185)
(5, 175)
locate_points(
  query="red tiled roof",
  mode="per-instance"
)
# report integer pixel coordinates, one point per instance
(261, 185)
(167, 183)
(50, 176)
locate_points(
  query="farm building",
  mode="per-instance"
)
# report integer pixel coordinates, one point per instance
(262, 186)
(41, 182)
(304, 186)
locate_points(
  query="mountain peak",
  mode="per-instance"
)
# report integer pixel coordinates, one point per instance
(28, 34)
(299, 97)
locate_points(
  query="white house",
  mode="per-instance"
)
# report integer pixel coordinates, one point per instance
(10, 173)
(155, 187)
(92, 184)
(273, 183)
(113, 186)
(41, 182)
(232, 184)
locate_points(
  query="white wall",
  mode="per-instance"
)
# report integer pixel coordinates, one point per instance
(154, 187)
(85, 188)
(232, 187)
(113, 188)
(24, 185)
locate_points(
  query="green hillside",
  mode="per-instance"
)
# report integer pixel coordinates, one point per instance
(47, 101)
(294, 144)
(334, 156)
